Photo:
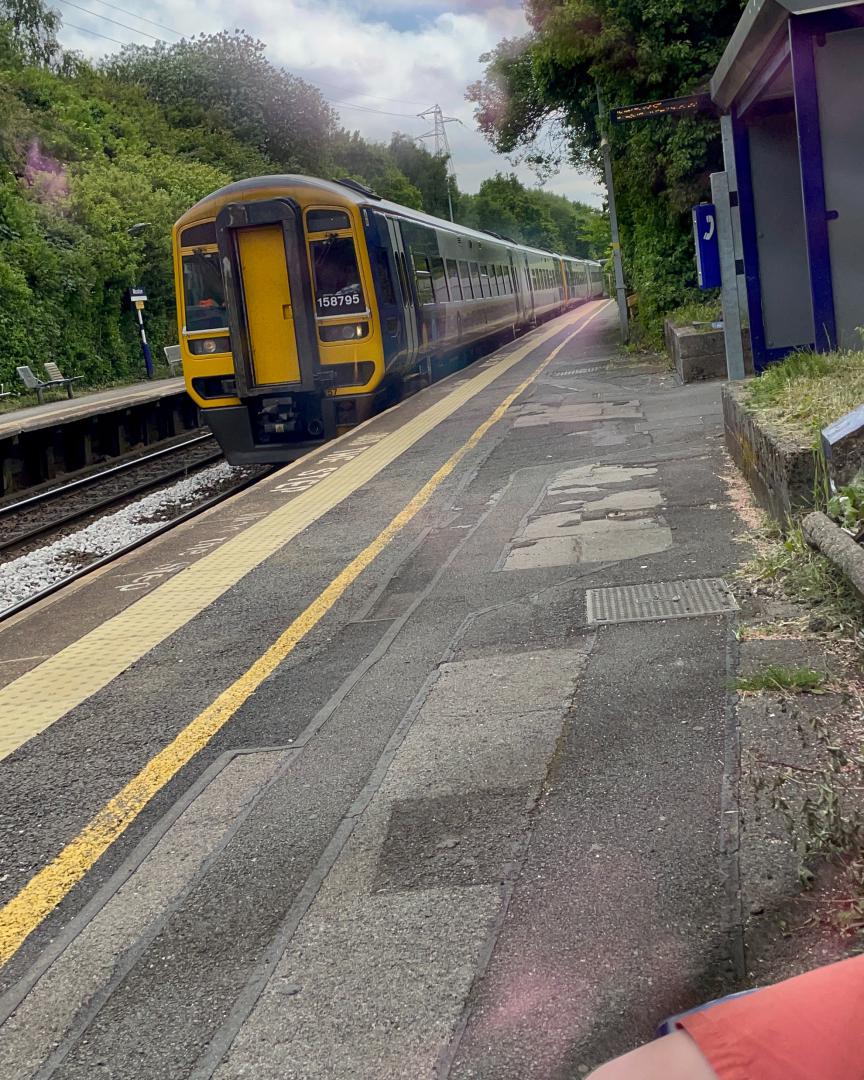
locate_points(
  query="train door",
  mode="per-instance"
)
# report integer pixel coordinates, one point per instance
(406, 295)
(273, 337)
(529, 290)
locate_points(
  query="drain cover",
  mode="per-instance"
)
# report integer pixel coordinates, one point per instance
(663, 600)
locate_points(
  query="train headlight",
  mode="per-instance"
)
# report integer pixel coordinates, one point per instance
(209, 346)
(344, 331)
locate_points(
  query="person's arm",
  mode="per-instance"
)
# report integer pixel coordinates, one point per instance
(674, 1057)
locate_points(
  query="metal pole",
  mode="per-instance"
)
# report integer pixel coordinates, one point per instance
(620, 290)
(729, 164)
(728, 277)
(145, 348)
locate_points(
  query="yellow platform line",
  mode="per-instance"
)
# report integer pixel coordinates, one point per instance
(20, 917)
(47, 692)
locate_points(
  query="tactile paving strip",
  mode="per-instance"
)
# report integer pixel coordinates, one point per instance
(660, 600)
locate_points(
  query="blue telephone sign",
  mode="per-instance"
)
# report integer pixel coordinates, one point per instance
(707, 247)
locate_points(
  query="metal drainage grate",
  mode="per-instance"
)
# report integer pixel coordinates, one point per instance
(663, 600)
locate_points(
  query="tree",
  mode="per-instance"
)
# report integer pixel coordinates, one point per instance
(30, 30)
(427, 173)
(373, 165)
(225, 82)
(538, 99)
(539, 218)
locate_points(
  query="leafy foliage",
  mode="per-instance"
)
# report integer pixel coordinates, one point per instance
(847, 505)
(539, 100)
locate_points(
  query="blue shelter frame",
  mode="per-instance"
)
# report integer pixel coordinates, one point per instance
(770, 83)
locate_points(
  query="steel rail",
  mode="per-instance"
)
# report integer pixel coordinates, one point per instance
(158, 530)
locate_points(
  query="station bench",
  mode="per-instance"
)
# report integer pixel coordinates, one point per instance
(173, 359)
(55, 378)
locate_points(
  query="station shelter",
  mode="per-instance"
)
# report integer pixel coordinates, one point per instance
(792, 82)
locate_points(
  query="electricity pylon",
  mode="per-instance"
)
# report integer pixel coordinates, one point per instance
(441, 144)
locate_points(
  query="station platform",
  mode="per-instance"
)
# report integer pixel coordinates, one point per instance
(410, 760)
(52, 413)
(59, 438)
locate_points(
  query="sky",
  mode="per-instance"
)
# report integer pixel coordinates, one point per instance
(379, 63)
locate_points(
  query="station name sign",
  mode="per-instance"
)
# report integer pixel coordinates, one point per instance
(694, 104)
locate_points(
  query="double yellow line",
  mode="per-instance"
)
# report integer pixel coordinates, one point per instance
(23, 914)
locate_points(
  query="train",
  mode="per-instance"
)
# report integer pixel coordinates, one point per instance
(304, 306)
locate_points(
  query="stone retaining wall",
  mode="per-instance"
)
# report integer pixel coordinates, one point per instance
(701, 354)
(780, 471)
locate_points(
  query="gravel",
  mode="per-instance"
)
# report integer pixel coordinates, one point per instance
(23, 577)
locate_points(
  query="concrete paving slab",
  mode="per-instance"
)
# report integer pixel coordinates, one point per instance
(386, 955)
(85, 964)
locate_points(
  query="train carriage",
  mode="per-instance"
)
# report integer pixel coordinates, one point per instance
(304, 305)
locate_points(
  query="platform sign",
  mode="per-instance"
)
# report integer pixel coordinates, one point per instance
(138, 297)
(707, 247)
(692, 105)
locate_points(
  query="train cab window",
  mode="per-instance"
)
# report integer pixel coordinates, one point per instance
(439, 279)
(453, 279)
(336, 276)
(204, 291)
(465, 281)
(198, 235)
(327, 220)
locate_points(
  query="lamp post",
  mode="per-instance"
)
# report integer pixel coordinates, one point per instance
(620, 290)
(139, 298)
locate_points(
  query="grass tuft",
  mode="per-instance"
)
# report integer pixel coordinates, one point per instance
(808, 390)
(695, 311)
(807, 577)
(793, 680)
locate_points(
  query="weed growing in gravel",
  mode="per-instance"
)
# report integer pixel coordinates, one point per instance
(822, 807)
(807, 578)
(793, 680)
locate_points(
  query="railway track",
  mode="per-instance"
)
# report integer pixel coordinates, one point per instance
(246, 479)
(53, 510)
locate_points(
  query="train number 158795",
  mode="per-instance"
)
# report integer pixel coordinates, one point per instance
(338, 300)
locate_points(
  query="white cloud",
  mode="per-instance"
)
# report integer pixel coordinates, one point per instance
(392, 58)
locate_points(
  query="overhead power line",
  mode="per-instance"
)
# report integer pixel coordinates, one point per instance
(141, 18)
(357, 93)
(95, 33)
(107, 18)
(369, 109)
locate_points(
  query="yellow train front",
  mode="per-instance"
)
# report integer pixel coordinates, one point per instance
(305, 305)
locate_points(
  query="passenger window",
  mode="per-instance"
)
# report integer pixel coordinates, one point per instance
(475, 281)
(484, 281)
(423, 277)
(465, 281)
(453, 279)
(439, 280)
